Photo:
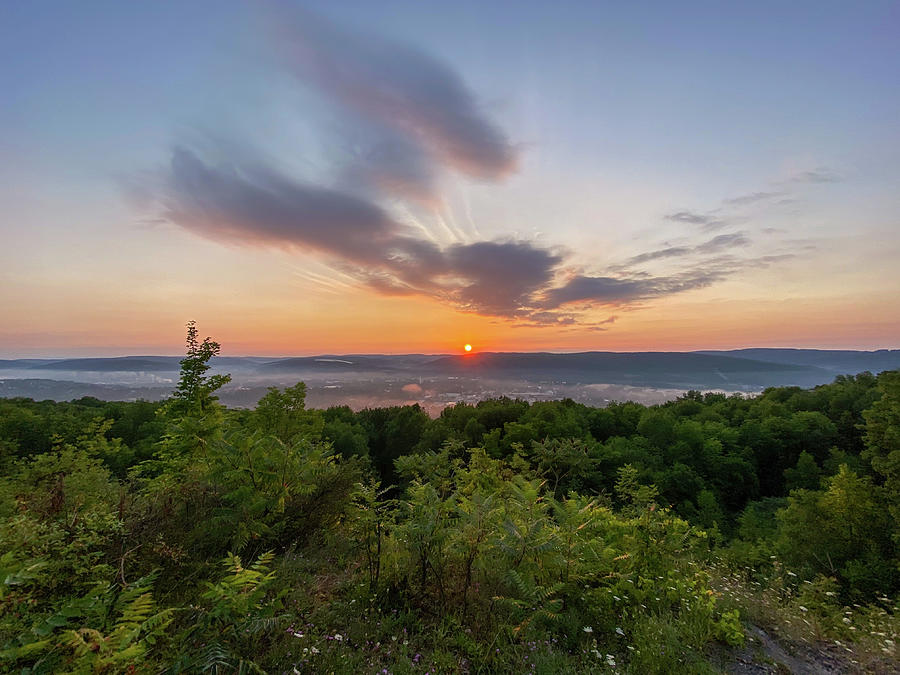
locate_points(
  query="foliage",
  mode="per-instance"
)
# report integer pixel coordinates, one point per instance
(498, 537)
(235, 615)
(111, 629)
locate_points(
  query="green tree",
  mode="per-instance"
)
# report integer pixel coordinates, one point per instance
(883, 436)
(805, 475)
(195, 416)
(194, 393)
(283, 414)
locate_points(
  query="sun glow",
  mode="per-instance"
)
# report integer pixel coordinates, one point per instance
(468, 348)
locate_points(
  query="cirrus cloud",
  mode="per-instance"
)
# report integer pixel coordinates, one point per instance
(399, 86)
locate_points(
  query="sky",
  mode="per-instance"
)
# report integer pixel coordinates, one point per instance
(399, 176)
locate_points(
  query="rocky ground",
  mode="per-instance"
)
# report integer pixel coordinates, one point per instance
(765, 654)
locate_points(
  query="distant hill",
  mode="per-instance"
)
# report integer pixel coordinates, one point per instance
(649, 369)
(838, 361)
(736, 370)
(348, 362)
(118, 364)
(127, 364)
(14, 364)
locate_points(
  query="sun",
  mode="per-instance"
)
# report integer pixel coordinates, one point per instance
(467, 347)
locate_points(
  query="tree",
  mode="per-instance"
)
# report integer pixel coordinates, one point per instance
(841, 531)
(805, 475)
(194, 411)
(194, 391)
(283, 414)
(883, 435)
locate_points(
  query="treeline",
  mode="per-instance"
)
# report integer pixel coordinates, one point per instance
(503, 536)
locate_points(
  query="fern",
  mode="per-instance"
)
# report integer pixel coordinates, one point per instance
(118, 627)
(239, 609)
(531, 601)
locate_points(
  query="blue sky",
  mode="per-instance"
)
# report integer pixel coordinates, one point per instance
(579, 140)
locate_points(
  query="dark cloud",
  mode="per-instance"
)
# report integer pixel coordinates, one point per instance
(259, 206)
(500, 277)
(629, 289)
(707, 221)
(620, 291)
(246, 202)
(254, 205)
(400, 87)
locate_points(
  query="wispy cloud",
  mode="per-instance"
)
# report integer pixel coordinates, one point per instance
(753, 198)
(418, 119)
(706, 220)
(716, 244)
(384, 162)
(627, 289)
(668, 252)
(723, 241)
(819, 175)
(398, 86)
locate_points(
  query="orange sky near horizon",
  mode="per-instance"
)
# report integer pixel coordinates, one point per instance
(364, 322)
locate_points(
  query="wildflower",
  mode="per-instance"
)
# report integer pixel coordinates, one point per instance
(620, 632)
(611, 660)
(338, 637)
(588, 629)
(803, 609)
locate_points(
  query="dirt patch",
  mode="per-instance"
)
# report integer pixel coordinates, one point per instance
(764, 654)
